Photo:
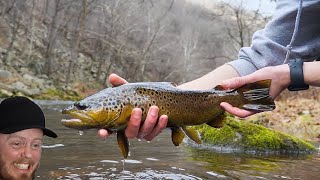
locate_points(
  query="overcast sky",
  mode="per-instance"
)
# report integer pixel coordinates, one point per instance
(265, 6)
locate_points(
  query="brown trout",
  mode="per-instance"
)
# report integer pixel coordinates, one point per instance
(111, 108)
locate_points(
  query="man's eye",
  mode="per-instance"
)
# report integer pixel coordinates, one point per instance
(16, 144)
(36, 146)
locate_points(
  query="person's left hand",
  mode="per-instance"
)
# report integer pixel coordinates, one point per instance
(280, 76)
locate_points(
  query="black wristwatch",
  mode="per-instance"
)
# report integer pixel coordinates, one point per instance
(296, 75)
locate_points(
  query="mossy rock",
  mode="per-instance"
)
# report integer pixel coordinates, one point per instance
(51, 94)
(248, 137)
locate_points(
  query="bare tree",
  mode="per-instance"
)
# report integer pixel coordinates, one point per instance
(14, 27)
(244, 25)
(56, 20)
(77, 35)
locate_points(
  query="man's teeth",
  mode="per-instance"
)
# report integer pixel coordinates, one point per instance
(21, 166)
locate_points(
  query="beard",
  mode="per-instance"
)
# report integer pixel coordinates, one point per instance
(6, 175)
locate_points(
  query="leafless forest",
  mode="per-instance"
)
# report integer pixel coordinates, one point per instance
(83, 41)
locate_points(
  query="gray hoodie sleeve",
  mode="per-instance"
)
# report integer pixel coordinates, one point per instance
(268, 46)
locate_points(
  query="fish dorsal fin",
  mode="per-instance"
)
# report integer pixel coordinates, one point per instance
(123, 143)
(192, 134)
(219, 88)
(154, 86)
(177, 136)
(173, 84)
(218, 121)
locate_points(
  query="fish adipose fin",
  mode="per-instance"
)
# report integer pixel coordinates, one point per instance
(256, 96)
(192, 134)
(218, 121)
(177, 136)
(123, 143)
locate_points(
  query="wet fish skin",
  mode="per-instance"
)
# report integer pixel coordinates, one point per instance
(111, 108)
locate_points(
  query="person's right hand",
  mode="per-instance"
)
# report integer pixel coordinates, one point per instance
(150, 128)
(280, 76)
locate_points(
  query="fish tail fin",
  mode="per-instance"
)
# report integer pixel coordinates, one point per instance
(256, 96)
(177, 136)
(123, 143)
(192, 134)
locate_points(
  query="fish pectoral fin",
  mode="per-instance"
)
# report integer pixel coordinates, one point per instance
(125, 115)
(192, 134)
(219, 121)
(177, 136)
(123, 143)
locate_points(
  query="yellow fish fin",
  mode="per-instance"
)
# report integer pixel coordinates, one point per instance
(123, 143)
(218, 122)
(177, 136)
(125, 115)
(192, 134)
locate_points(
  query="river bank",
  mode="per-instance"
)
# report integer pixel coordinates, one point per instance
(296, 113)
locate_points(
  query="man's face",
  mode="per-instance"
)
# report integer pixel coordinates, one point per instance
(20, 153)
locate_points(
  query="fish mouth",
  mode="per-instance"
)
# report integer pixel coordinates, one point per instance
(80, 121)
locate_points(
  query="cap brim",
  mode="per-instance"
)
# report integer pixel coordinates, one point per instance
(46, 131)
(49, 133)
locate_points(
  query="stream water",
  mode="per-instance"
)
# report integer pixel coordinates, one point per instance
(75, 156)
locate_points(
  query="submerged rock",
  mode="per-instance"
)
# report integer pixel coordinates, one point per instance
(248, 137)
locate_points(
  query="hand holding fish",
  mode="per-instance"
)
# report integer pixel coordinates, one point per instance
(151, 126)
(114, 109)
(280, 76)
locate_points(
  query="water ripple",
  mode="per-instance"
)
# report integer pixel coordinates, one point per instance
(52, 146)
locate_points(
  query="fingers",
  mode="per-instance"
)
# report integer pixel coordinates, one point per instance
(151, 126)
(116, 80)
(235, 111)
(103, 134)
(134, 123)
(234, 82)
(149, 123)
(162, 123)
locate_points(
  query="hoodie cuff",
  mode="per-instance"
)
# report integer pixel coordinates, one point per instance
(243, 67)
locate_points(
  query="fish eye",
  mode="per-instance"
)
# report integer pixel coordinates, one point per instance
(80, 106)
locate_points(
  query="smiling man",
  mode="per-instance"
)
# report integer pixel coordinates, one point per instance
(22, 127)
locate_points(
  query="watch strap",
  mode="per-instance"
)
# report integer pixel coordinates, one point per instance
(296, 75)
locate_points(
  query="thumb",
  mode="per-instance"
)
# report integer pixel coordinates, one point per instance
(116, 80)
(234, 82)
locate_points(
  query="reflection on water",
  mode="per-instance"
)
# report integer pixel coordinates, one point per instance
(72, 156)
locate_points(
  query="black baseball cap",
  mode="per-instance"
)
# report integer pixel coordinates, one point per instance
(19, 113)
